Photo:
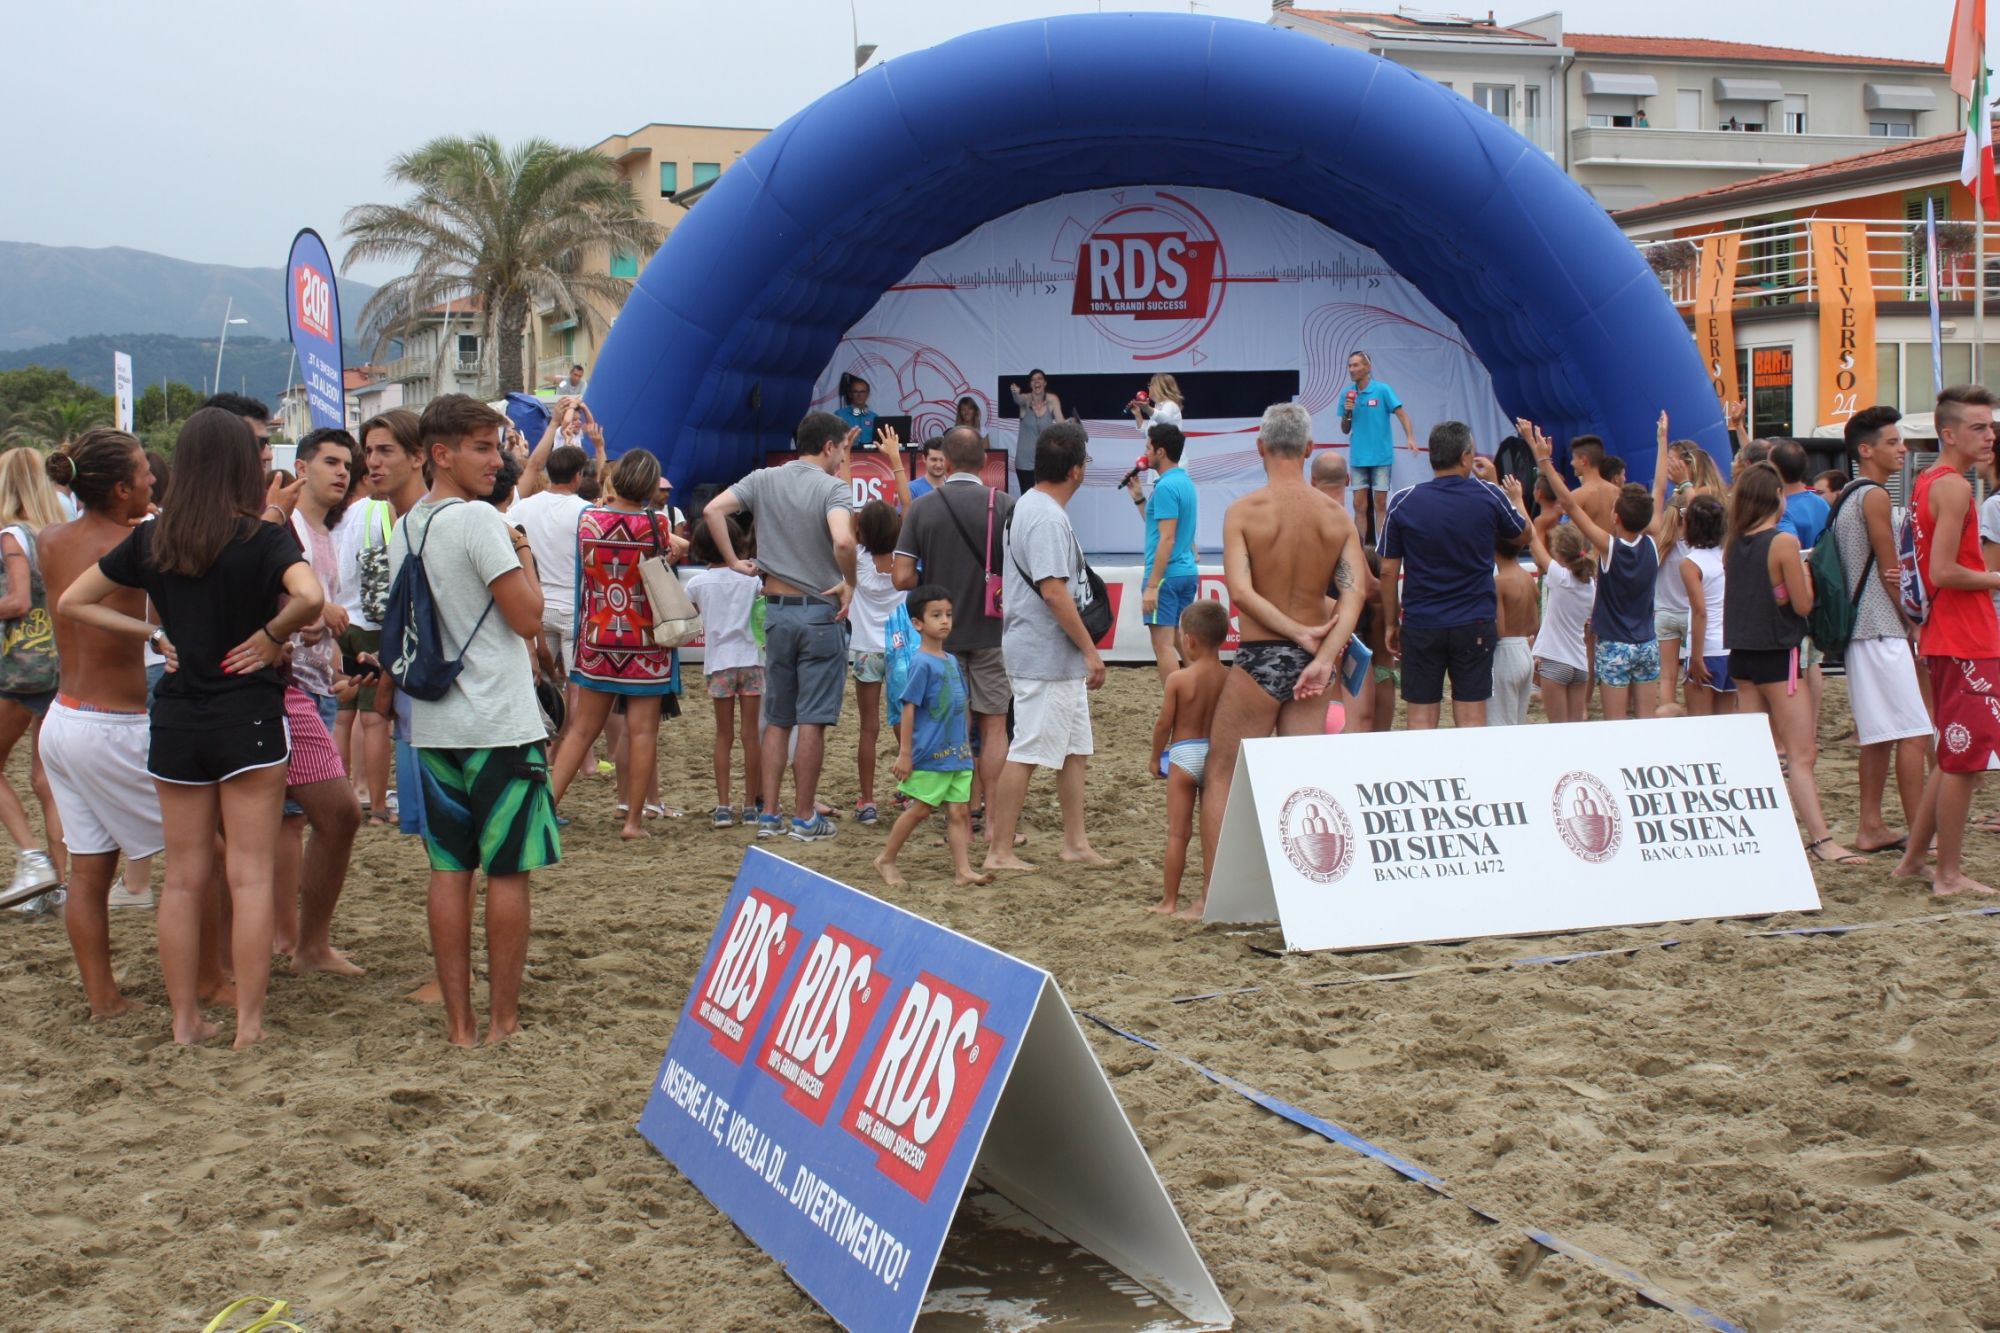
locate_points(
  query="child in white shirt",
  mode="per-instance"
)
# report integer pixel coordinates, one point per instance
(733, 662)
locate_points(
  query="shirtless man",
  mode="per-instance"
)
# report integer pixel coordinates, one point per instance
(1283, 546)
(95, 741)
(1594, 491)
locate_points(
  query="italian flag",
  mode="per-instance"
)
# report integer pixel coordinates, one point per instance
(1965, 60)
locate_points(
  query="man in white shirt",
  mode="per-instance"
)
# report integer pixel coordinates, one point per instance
(549, 518)
(480, 746)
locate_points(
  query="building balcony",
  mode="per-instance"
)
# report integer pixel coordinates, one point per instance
(407, 368)
(552, 368)
(1751, 154)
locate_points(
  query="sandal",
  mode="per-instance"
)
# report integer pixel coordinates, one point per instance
(1850, 859)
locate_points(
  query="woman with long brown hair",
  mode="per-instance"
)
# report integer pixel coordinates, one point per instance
(230, 589)
(1767, 595)
(27, 505)
(615, 654)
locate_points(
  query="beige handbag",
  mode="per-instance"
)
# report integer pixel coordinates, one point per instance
(675, 620)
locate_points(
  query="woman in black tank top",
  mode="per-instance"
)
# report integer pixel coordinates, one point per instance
(1766, 598)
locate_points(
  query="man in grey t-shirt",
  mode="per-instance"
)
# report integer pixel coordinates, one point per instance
(1050, 659)
(805, 554)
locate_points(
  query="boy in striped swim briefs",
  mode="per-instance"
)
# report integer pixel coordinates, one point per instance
(1180, 737)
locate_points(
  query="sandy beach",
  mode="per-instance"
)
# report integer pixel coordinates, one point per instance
(1797, 1133)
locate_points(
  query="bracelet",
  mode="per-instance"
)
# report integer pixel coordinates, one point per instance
(272, 637)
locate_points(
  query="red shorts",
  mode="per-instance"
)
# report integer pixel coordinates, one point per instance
(1965, 694)
(314, 758)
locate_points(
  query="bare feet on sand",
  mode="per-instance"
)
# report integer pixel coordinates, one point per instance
(887, 870)
(497, 1032)
(1088, 856)
(1192, 912)
(222, 992)
(971, 881)
(1004, 861)
(1957, 884)
(1165, 907)
(632, 831)
(247, 1036)
(333, 960)
(194, 1036)
(123, 1005)
(432, 993)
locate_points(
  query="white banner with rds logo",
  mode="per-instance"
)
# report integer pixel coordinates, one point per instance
(1358, 842)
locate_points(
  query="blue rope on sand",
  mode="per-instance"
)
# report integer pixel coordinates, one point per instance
(1326, 1129)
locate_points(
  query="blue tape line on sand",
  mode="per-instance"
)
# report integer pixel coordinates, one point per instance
(1502, 965)
(1326, 1129)
(1875, 925)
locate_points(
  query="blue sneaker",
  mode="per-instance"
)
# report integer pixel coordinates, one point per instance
(770, 826)
(867, 814)
(818, 829)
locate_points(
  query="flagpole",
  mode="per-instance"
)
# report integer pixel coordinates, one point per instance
(1979, 263)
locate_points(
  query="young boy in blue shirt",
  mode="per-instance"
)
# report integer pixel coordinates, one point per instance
(934, 762)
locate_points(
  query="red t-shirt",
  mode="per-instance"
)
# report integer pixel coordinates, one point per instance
(1962, 623)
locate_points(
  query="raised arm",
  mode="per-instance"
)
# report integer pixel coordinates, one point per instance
(534, 474)
(891, 444)
(1544, 450)
(1662, 468)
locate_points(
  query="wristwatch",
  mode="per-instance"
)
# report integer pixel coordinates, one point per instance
(153, 639)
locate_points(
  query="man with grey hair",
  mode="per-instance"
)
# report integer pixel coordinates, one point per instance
(1449, 529)
(1283, 546)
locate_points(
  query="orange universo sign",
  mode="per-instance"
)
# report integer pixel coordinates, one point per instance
(1846, 319)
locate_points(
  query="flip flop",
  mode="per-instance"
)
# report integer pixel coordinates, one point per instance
(1851, 859)
(269, 1319)
(1898, 845)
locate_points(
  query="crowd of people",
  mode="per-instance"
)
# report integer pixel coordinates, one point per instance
(226, 667)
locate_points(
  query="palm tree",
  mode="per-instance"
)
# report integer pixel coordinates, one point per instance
(56, 425)
(505, 227)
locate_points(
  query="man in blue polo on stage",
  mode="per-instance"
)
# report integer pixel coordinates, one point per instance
(1364, 414)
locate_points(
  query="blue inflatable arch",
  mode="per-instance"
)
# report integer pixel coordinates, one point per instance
(713, 358)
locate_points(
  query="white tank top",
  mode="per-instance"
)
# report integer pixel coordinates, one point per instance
(1708, 559)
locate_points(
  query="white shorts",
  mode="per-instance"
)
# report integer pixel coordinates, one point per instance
(1881, 689)
(96, 764)
(560, 631)
(1051, 722)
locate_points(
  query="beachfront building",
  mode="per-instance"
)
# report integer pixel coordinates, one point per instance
(1640, 119)
(1770, 242)
(667, 166)
(443, 351)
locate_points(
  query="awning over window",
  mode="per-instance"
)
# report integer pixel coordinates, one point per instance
(1597, 83)
(1748, 90)
(1897, 97)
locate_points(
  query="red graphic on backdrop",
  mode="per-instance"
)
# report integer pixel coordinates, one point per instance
(313, 300)
(919, 1086)
(1318, 840)
(820, 1023)
(736, 993)
(1586, 816)
(1147, 275)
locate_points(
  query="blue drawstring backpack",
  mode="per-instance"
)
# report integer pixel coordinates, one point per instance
(899, 646)
(413, 643)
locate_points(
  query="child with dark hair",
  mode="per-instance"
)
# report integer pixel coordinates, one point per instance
(733, 662)
(1518, 622)
(1180, 736)
(1628, 646)
(875, 598)
(1710, 689)
(934, 760)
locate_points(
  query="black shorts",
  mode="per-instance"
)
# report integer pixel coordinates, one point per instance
(1763, 666)
(192, 758)
(1465, 650)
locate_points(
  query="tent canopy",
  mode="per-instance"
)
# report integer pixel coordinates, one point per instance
(713, 358)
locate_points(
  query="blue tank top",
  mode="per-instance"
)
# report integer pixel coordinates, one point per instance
(1625, 584)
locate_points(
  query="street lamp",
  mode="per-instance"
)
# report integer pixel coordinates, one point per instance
(861, 53)
(227, 311)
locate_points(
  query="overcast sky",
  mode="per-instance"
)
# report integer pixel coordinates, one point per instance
(213, 129)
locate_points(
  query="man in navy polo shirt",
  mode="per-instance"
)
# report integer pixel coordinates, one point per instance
(1364, 414)
(1447, 528)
